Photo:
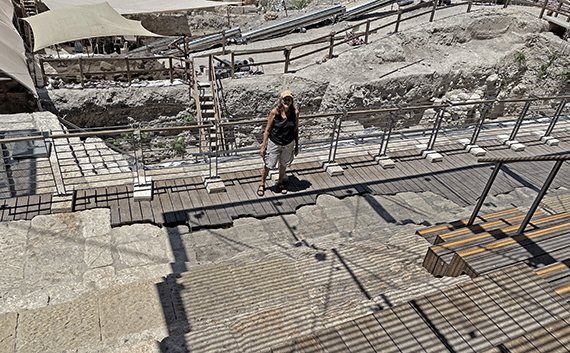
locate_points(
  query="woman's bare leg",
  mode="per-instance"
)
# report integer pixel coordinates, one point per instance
(282, 170)
(264, 174)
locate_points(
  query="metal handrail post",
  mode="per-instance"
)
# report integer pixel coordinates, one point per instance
(480, 123)
(335, 139)
(386, 138)
(435, 130)
(520, 120)
(49, 140)
(555, 117)
(540, 195)
(484, 193)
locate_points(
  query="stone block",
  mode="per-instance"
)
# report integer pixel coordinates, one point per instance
(552, 142)
(432, 157)
(333, 169)
(60, 328)
(517, 147)
(8, 332)
(478, 152)
(509, 143)
(215, 185)
(385, 162)
(130, 309)
(142, 189)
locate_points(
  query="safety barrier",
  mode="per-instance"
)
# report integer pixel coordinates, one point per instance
(63, 161)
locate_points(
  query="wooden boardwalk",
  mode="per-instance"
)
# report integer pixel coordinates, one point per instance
(458, 178)
(510, 310)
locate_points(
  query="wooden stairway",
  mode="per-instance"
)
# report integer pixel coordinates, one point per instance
(207, 103)
(492, 244)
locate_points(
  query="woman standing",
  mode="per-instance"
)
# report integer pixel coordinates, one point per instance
(280, 140)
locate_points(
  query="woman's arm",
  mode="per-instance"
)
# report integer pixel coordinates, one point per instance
(267, 130)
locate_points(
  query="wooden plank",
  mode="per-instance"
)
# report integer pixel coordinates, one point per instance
(301, 187)
(45, 204)
(21, 207)
(494, 289)
(330, 341)
(124, 205)
(438, 320)
(353, 174)
(561, 331)
(375, 334)
(250, 208)
(482, 324)
(249, 183)
(89, 199)
(177, 205)
(167, 214)
(10, 209)
(494, 312)
(33, 206)
(463, 326)
(136, 212)
(419, 329)
(199, 216)
(397, 331)
(520, 345)
(309, 344)
(101, 198)
(353, 338)
(544, 341)
(233, 197)
(185, 199)
(527, 281)
(227, 204)
(113, 204)
(220, 208)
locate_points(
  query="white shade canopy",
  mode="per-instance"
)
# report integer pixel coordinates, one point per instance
(80, 22)
(129, 7)
(12, 52)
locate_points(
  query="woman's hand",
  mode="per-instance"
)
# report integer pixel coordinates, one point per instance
(296, 149)
(262, 151)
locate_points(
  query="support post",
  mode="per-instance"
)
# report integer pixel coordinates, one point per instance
(433, 10)
(367, 32)
(233, 65)
(494, 174)
(469, 4)
(540, 195)
(386, 138)
(331, 47)
(435, 130)
(480, 123)
(170, 69)
(520, 120)
(287, 53)
(128, 70)
(81, 72)
(398, 20)
(555, 117)
(543, 8)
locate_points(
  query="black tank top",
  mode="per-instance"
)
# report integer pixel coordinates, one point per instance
(283, 130)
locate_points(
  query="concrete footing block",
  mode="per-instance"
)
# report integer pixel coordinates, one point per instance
(477, 151)
(61, 203)
(213, 184)
(142, 189)
(550, 141)
(509, 143)
(432, 156)
(333, 168)
(517, 147)
(385, 162)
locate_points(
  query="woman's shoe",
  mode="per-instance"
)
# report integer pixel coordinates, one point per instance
(282, 188)
(261, 190)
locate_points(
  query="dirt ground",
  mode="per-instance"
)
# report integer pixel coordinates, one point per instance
(489, 52)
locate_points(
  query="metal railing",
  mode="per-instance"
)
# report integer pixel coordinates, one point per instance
(559, 159)
(83, 159)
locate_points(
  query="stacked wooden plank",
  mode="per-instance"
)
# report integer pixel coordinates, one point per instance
(494, 244)
(512, 307)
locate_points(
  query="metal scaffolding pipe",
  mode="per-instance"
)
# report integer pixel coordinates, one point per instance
(290, 25)
(366, 7)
